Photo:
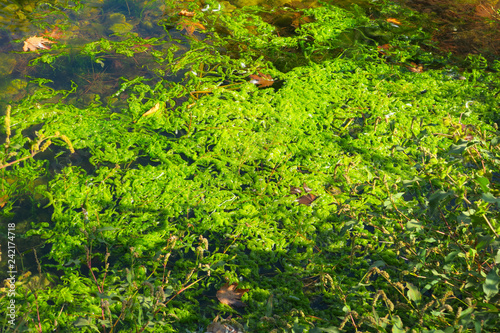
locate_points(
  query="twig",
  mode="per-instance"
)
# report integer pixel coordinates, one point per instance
(19, 160)
(491, 227)
(182, 290)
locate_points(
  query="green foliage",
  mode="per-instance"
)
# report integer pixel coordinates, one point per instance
(177, 185)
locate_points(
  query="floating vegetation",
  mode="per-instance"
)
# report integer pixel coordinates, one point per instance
(174, 166)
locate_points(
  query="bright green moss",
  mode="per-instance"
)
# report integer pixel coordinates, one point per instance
(197, 194)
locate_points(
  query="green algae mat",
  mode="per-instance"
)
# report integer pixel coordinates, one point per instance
(221, 167)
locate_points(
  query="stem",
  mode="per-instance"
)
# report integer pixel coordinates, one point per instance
(19, 160)
(489, 225)
(38, 312)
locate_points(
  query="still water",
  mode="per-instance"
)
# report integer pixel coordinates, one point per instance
(461, 27)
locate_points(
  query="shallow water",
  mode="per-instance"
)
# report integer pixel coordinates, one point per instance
(461, 27)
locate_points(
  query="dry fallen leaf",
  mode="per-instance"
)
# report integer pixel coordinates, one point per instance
(306, 199)
(3, 200)
(384, 49)
(415, 68)
(152, 110)
(216, 328)
(227, 325)
(230, 295)
(55, 34)
(295, 190)
(191, 26)
(486, 10)
(34, 43)
(393, 21)
(186, 13)
(299, 19)
(264, 80)
(307, 189)
(222, 328)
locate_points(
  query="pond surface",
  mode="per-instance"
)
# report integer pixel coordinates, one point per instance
(461, 27)
(464, 27)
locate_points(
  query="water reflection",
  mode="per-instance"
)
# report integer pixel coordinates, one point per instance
(70, 29)
(461, 27)
(464, 27)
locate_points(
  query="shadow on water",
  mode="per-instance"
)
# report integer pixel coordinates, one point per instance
(28, 211)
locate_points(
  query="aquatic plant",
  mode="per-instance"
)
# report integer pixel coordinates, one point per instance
(316, 176)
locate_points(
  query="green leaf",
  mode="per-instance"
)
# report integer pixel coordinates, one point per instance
(466, 316)
(484, 183)
(218, 264)
(325, 329)
(82, 322)
(108, 228)
(488, 197)
(413, 293)
(490, 285)
(436, 198)
(461, 146)
(451, 256)
(491, 307)
(129, 276)
(414, 225)
(378, 263)
(397, 325)
(168, 291)
(434, 272)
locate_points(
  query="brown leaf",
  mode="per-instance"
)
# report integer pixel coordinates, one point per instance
(216, 327)
(295, 190)
(186, 13)
(306, 199)
(3, 200)
(307, 189)
(152, 110)
(230, 295)
(393, 21)
(34, 43)
(298, 20)
(264, 80)
(415, 68)
(191, 26)
(385, 46)
(55, 34)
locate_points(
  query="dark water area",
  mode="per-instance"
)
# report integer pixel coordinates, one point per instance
(463, 27)
(459, 27)
(67, 27)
